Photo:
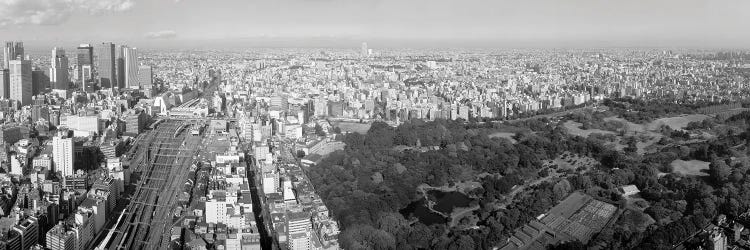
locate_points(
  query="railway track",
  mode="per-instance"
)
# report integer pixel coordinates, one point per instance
(163, 163)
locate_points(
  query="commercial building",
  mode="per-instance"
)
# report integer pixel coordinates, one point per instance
(131, 67)
(39, 81)
(84, 228)
(135, 122)
(28, 230)
(146, 76)
(216, 210)
(21, 81)
(299, 230)
(58, 72)
(60, 238)
(106, 65)
(85, 60)
(82, 125)
(12, 51)
(63, 155)
(146, 80)
(120, 66)
(4, 83)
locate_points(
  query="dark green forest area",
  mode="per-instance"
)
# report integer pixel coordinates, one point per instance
(368, 208)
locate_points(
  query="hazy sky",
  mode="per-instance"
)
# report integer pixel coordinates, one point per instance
(487, 23)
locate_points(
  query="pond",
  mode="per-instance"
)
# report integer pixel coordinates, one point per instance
(445, 202)
(419, 210)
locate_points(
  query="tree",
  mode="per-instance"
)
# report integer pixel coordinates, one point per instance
(300, 154)
(380, 135)
(319, 130)
(719, 171)
(393, 223)
(561, 189)
(366, 237)
(632, 146)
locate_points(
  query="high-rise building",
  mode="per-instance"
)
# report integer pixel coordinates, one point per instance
(279, 102)
(13, 50)
(28, 230)
(84, 61)
(120, 66)
(39, 81)
(364, 50)
(146, 79)
(58, 72)
(21, 81)
(59, 238)
(131, 67)
(135, 122)
(299, 230)
(62, 155)
(84, 229)
(106, 65)
(216, 210)
(4, 83)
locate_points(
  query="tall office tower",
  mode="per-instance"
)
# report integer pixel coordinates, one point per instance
(106, 65)
(39, 81)
(85, 60)
(120, 66)
(20, 81)
(146, 80)
(28, 229)
(4, 83)
(364, 51)
(13, 50)
(131, 67)
(146, 76)
(58, 72)
(62, 155)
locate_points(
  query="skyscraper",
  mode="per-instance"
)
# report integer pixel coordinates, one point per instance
(146, 80)
(58, 73)
(131, 67)
(85, 59)
(21, 81)
(106, 65)
(120, 66)
(4, 83)
(39, 81)
(62, 155)
(13, 50)
(364, 50)
(146, 76)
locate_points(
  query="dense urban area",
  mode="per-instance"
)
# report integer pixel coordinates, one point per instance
(106, 146)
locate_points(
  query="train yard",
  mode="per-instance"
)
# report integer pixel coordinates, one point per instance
(161, 164)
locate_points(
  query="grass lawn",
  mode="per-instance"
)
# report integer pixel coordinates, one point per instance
(574, 128)
(692, 167)
(505, 135)
(350, 127)
(677, 122)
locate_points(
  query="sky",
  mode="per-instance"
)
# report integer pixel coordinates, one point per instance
(384, 23)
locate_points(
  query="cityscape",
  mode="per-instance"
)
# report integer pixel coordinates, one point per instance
(454, 132)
